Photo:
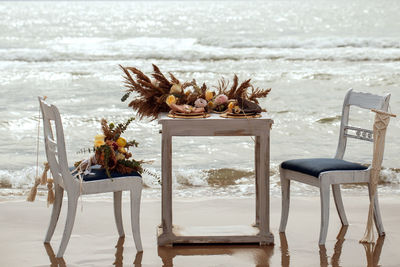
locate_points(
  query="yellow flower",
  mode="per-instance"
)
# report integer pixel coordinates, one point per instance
(236, 110)
(170, 100)
(99, 140)
(122, 149)
(231, 105)
(209, 95)
(99, 137)
(121, 142)
(98, 143)
(210, 104)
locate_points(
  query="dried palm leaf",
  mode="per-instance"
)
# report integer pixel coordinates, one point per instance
(106, 130)
(173, 78)
(241, 91)
(258, 93)
(231, 93)
(222, 86)
(150, 95)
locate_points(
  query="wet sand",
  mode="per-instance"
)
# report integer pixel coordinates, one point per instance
(95, 242)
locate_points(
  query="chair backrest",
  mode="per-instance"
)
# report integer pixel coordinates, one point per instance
(361, 100)
(55, 147)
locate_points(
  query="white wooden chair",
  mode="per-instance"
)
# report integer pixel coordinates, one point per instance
(323, 172)
(92, 184)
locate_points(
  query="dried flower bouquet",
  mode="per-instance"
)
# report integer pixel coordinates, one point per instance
(160, 94)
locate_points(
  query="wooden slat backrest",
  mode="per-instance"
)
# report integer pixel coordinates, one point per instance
(364, 101)
(55, 147)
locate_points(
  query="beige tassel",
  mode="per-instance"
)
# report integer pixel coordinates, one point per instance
(50, 192)
(32, 194)
(43, 179)
(380, 125)
(369, 231)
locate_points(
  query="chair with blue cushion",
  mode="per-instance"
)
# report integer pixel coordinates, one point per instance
(323, 172)
(94, 183)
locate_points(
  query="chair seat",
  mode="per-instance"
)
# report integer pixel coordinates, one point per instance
(315, 166)
(97, 173)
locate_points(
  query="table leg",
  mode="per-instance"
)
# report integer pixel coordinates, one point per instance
(166, 193)
(257, 174)
(264, 209)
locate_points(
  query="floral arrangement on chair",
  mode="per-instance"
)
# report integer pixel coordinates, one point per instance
(160, 94)
(112, 151)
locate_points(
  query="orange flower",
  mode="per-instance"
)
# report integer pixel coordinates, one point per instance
(209, 95)
(231, 105)
(170, 100)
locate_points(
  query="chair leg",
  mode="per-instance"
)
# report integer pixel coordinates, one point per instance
(135, 217)
(324, 192)
(285, 187)
(69, 224)
(118, 213)
(377, 213)
(337, 196)
(55, 214)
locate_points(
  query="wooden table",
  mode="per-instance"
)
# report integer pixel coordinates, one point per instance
(217, 126)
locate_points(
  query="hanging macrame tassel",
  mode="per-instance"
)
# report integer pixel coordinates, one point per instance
(369, 231)
(32, 194)
(50, 192)
(43, 179)
(380, 125)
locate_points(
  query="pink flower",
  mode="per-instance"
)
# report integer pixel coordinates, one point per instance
(200, 103)
(221, 99)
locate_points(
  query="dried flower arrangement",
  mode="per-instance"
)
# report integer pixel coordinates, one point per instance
(111, 151)
(153, 94)
(162, 95)
(237, 98)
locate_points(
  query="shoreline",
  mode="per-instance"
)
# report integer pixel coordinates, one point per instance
(94, 240)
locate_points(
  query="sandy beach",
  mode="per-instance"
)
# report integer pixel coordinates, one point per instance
(95, 242)
(309, 53)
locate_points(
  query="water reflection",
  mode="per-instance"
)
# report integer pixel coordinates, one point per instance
(337, 251)
(285, 259)
(261, 255)
(118, 262)
(53, 260)
(372, 251)
(119, 258)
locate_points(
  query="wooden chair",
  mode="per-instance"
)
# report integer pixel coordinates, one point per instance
(323, 172)
(92, 183)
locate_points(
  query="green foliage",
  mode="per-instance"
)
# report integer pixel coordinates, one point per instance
(107, 155)
(132, 143)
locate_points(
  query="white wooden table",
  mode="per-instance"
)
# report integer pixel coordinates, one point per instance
(217, 126)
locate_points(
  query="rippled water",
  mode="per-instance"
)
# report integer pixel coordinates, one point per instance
(309, 52)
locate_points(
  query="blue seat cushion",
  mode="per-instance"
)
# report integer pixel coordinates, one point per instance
(315, 166)
(97, 173)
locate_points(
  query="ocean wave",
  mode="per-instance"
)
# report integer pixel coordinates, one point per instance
(215, 183)
(208, 49)
(224, 177)
(295, 43)
(195, 56)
